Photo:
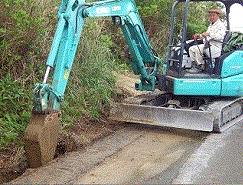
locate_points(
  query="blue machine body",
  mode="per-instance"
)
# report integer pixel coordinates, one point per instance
(230, 82)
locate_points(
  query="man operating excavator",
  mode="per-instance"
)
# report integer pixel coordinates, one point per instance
(214, 36)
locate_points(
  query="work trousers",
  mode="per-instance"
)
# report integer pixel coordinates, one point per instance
(196, 52)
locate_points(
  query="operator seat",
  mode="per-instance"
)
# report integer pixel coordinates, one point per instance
(224, 54)
(227, 37)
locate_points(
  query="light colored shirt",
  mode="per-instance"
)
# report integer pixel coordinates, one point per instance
(216, 32)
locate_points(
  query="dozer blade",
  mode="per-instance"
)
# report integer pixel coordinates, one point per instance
(168, 117)
(41, 138)
(217, 115)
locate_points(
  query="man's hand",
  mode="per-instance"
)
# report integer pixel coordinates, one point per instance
(196, 36)
(205, 34)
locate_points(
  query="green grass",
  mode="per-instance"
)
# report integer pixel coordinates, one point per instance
(14, 111)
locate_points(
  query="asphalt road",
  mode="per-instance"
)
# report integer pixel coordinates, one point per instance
(150, 155)
(219, 160)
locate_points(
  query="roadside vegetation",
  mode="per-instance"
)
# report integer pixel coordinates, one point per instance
(26, 32)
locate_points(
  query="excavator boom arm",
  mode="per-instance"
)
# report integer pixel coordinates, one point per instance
(72, 15)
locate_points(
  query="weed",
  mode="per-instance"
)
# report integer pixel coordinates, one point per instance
(14, 114)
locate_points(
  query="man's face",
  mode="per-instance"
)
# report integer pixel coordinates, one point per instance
(213, 17)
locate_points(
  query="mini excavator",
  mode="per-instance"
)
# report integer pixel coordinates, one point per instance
(208, 101)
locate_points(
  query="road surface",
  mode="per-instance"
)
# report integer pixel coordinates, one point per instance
(149, 155)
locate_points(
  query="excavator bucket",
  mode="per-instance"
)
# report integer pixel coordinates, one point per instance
(41, 138)
(213, 116)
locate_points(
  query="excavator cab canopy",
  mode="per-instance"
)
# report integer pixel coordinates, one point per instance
(175, 66)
